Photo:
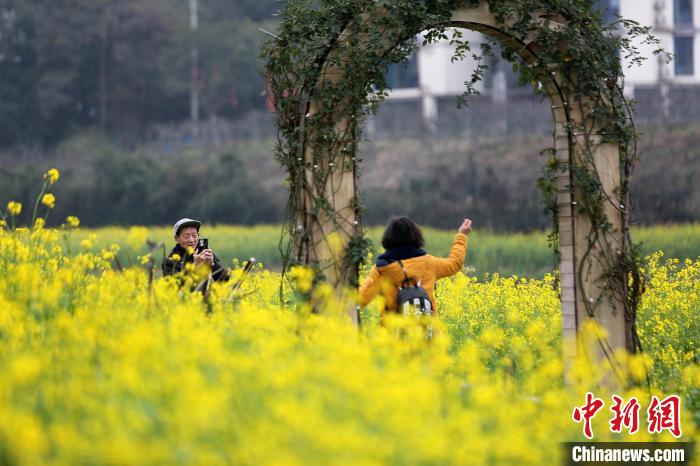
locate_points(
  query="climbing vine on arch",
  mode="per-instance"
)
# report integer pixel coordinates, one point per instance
(326, 68)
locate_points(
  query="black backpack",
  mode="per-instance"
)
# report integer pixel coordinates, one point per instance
(412, 300)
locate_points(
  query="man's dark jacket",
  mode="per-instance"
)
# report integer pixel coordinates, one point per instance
(171, 267)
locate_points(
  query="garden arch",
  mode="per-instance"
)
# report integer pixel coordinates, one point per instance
(326, 68)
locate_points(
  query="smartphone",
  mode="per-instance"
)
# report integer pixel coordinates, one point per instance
(202, 244)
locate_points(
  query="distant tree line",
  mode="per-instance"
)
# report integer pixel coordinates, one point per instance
(108, 187)
(439, 179)
(123, 66)
(493, 181)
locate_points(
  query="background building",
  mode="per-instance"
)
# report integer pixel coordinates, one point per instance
(667, 93)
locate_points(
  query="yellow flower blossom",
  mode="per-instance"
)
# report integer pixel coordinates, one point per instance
(52, 175)
(175, 257)
(14, 208)
(107, 255)
(39, 223)
(72, 221)
(49, 200)
(303, 277)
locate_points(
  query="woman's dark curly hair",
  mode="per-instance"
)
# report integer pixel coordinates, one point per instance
(402, 231)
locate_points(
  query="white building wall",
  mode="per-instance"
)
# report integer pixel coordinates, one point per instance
(439, 77)
(659, 15)
(653, 68)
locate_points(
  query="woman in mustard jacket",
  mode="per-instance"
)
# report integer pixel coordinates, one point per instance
(402, 241)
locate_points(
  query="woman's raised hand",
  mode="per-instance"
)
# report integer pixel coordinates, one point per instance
(466, 226)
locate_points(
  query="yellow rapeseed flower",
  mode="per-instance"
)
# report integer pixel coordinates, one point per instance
(49, 200)
(25, 368)
(39, 223)
(175, 257)
(52, 175)
(303, 277)
(14, 208)
(72, 222)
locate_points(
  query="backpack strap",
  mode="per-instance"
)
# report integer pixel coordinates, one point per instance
(406, 278)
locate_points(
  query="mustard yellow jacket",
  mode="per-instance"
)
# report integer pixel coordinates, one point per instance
(428, 269)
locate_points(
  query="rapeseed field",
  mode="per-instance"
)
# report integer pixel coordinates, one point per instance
(109, 365)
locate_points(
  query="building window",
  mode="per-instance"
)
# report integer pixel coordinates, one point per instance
(683, 52)
(402, 75)
(683, 12)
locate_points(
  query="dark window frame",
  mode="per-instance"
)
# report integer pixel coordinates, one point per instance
(404, 75)
(683, 16)
(684, 55)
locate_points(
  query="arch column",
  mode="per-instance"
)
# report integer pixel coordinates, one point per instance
(584, 294)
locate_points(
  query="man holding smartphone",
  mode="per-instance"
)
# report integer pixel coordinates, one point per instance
(191, 249)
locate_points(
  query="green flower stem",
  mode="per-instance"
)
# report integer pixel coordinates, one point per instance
(38, 200)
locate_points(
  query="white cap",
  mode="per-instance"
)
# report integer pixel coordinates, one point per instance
(185, 222)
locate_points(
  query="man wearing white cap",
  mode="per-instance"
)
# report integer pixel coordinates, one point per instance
(186, 232)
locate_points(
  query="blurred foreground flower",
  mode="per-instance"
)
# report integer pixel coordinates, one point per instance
(303, 277)
(72, 221)
(49, 200)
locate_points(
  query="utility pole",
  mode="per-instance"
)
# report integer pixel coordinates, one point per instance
(194, 71)
(662, 25)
